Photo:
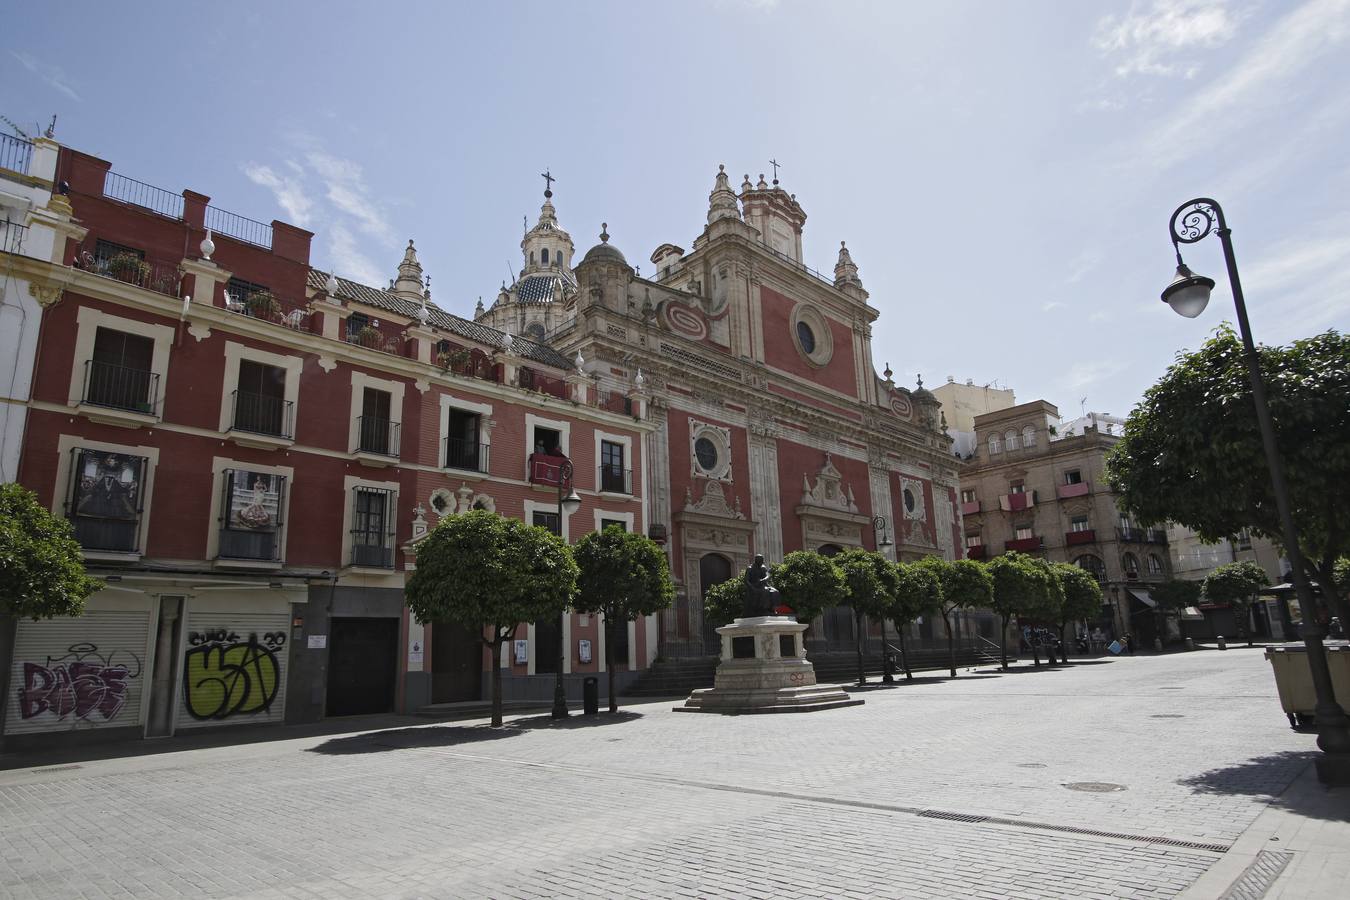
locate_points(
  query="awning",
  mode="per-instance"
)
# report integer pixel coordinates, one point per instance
(1192, 614)
(1145, 598)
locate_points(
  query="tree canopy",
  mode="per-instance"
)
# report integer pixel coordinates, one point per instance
(1176, 593)
(1236, 583)
(809, 583)
(724, 601)
(490, 573)
(1081, 592)
(870, 581)
(918, 591)
(1021, 588)
(41, 565)
(1192, 450)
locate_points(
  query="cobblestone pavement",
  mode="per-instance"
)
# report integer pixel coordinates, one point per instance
(936, 788)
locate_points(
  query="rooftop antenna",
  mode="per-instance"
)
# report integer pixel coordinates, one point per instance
(1082, 406)
(17, 130)
(51, 128)
(510, 276)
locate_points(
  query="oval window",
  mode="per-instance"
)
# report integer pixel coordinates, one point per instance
(705, 451)
(909, 500)
(806, 337)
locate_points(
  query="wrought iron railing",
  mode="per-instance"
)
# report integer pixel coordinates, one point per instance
(800, 265)
(162, 278)
(120, 387)
(269, 307)
(146, 196)
(372, 536)
(261, 414)
(15, 153)
(376, 435)
(466, 454)
(12, 236)
(615, 480)
(239, 227)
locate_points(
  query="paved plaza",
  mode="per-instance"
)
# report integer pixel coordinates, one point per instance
(1133, 777)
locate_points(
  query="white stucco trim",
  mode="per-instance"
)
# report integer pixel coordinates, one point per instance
(61, 490)
(361, 381)
(448, 402)
(89, 320)
(236, 353)
(213, 525)
(534, 506)
(625, 517)
(627, 444)
(562, 426)
(349, 484)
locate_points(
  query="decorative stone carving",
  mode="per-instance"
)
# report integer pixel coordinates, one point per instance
(44, 294)
(829, 490)
(419, 522)
(713, 502)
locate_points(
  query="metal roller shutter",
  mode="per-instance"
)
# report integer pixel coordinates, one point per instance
(234, 668)
(82, 673)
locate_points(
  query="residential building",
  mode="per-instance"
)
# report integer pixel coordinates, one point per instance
(961, 403)
(1193, 559)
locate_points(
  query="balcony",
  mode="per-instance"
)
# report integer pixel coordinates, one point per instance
(1078, 489)
(370, 551)
(1024, 545)
(268, 307)
(15, 154)
(262, 421)
(970, 507)
(976, 552)
(255, 546)
(545, 468)
(128, 268)
(119, 395)
(1142, 535)
(615, 480)
(377, 441)
(12, 237)
(1016, 502)
(466, 455)
(111, 533)
(1086, 536)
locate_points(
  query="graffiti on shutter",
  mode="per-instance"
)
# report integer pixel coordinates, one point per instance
(234, 668)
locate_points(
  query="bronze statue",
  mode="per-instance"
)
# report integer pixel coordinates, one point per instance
(761, 598)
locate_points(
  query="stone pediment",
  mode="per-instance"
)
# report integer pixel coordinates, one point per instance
(713, 502)
(829, 492)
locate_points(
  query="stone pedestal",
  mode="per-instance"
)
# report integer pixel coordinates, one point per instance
(764, 669)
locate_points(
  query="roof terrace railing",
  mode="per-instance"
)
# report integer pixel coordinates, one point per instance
(239, 227)
(146, 196)
(15, 153)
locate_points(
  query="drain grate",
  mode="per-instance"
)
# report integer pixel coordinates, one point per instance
(56, 769)
(1095, 787)
(1167, 716)
(952, 816)
(1031, 765)
(1116, 835)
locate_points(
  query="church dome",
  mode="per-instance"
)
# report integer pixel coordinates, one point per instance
(605, 251)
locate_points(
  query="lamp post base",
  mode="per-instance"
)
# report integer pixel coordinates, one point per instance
(559, 700)
(1333, 769)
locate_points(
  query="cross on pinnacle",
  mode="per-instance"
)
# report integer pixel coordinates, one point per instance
(774, 163)
(548, 183)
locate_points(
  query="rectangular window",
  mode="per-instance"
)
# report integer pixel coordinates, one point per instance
(106, 251)
(375, 431)
(462, 450)
(1078, 523)
(1125, 522)
(118, 374)
(1017, 487)
(260, 404)
(549, 520)
(968, 495)
(974, 540)
(372, 537)
(605, 523)
(547, 441)
(613, 476)
(1024, 532)
(241, 290)
(1073, 476)
(251, 515)
(105, 500)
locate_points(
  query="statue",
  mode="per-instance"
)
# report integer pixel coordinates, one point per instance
(761, 598)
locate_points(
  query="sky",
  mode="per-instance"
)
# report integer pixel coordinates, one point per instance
(1003, 173)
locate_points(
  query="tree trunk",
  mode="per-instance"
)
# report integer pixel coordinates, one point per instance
(951, 642)
(862, 677)
(904, 655)
(1003, 639)
(1063, 642)
(496, 648)
(609, 662)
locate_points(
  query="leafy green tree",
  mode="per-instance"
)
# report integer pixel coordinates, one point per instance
(622, 576)
(1192, 450)
(809, 583)
(492, 574)
(871, 582)
(918, 591)
(1176, 593)
(1020, 589)
(1082, 597)
(965, 585)
(1237, 583)
(1049, 610)
(41, 565)
(724, 601)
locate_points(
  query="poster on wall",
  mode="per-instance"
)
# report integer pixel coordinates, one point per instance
(255, 500)
(109, 485)
(522, 649)
(584, 651)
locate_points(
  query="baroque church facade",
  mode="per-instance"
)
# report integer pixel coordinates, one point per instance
(773, 431)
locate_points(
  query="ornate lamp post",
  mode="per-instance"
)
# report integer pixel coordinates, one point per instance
(1188, 294)
(566, 505)
(881, 535)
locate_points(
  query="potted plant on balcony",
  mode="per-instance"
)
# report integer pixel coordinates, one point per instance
(128, 267)
(262, 305)
(367, 336)
(453, 359)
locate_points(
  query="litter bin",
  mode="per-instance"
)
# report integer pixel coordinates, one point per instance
(1293, 678)
(590, 695)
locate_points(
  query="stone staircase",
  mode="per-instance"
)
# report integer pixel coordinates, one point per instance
(674, 677)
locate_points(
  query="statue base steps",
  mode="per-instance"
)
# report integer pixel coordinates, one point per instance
(764, 669)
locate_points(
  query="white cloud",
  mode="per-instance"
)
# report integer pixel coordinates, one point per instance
(1302, 285)
(55, 76)
(1051, 306)
(1083, 374)
(348, 259)
(288, 191)
(346, 189)
(1162, 37)
(1082, 264)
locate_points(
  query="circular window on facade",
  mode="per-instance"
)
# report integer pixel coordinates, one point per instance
(705, 451)
(812, 334)
(909, 500)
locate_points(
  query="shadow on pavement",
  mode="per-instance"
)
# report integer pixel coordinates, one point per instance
(1271, 776)
(424, 736)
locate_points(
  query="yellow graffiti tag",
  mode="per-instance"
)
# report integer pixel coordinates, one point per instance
(222, 680)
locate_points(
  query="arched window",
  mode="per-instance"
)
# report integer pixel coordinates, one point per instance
(543, 256)
(995, 445)
(531, 257)
(1029, 437)
(1092, 564)
(1155, 564)
(1011, 440)
(713, 569)
(1130, 563)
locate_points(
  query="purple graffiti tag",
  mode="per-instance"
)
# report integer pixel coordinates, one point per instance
(81, 683)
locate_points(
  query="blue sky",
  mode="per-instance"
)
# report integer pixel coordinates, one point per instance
(1003, 172)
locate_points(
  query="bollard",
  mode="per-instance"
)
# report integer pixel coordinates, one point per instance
(1157, 645)
(1190, 644)
(1223, 645)
(590, 693)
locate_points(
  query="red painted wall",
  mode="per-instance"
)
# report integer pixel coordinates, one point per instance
(780, 347)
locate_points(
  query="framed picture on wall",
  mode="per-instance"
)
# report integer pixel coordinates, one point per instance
(584, 651)
(522, 653)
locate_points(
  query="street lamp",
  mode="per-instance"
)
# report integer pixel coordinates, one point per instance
(566, 505)
(1188, 295)
(881, 536)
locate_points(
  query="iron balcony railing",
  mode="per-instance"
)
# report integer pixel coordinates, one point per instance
(461, 453)
(261, 414)
(1142, 535)
(15, 153)
(162, 278)
(616, 480)
(120, 387)
(239, 227)
(372, 537)
(12, 236)
(146, 196)
(255, 532)
(376, 435)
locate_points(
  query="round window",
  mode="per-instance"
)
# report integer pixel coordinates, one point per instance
(806, 337)
(909, 500)
(705, 451)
